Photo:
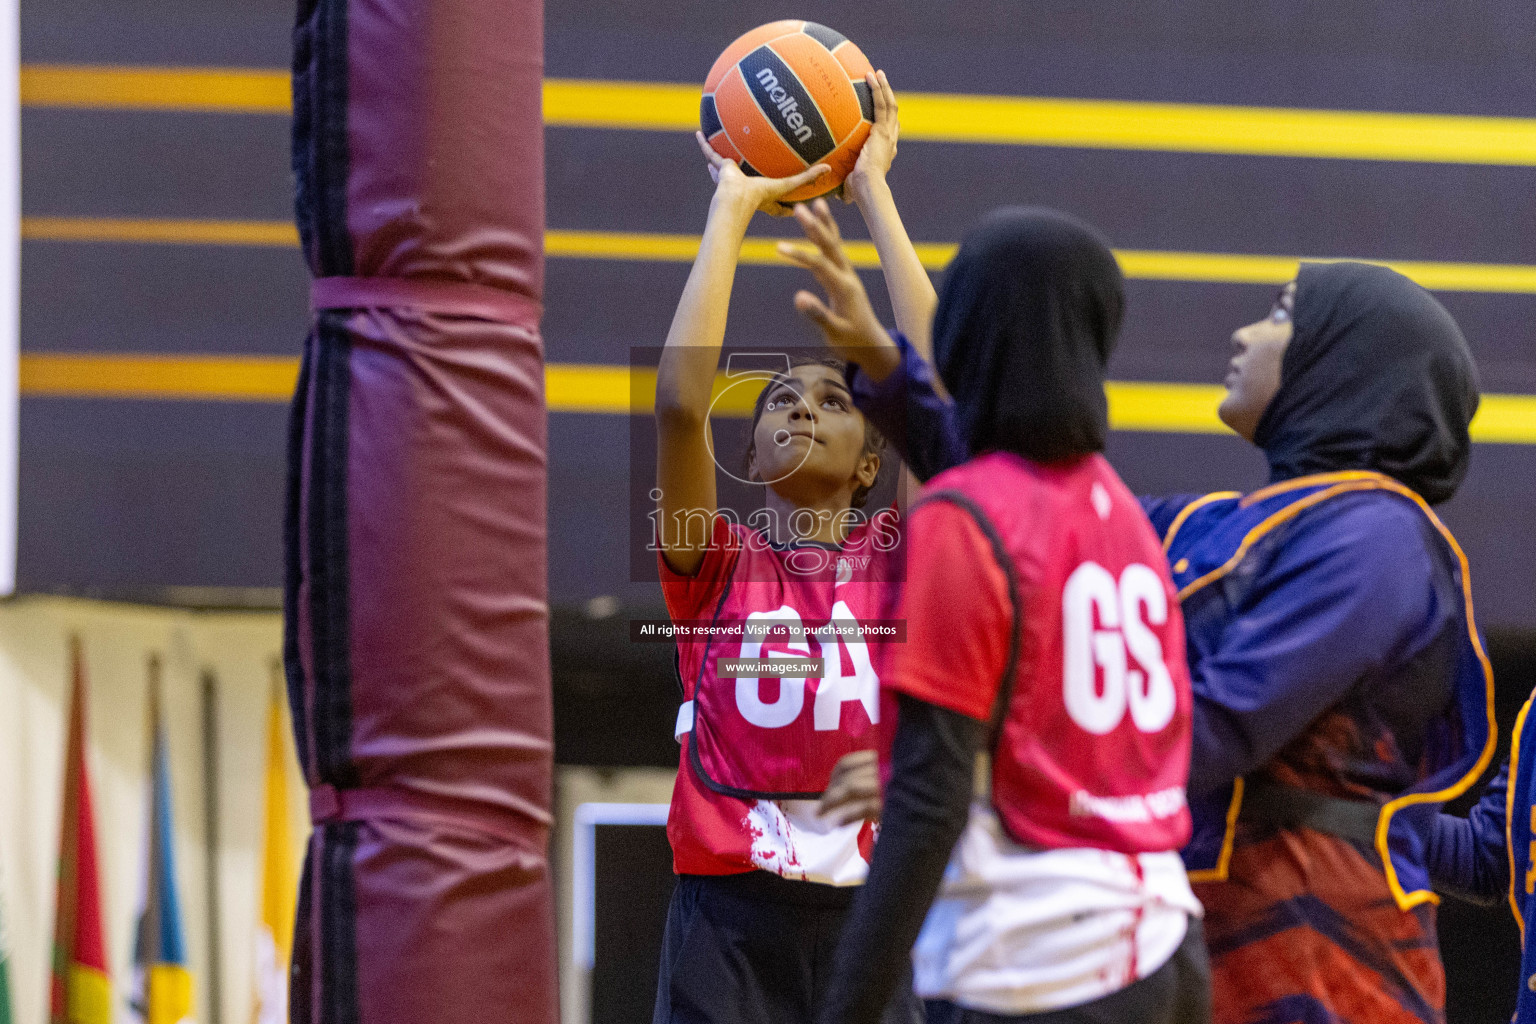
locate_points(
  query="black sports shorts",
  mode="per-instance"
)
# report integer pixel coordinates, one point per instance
(755, 948)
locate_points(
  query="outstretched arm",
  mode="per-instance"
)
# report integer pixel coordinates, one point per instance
(685, 470)
(912, 296)
(903, 400)
(1467, 857)
(911, 292)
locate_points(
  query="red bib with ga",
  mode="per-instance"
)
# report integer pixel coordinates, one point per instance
(1094, 713)
(759, 735)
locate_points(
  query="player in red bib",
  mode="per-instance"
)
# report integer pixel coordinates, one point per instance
(765, 877)
(1043, 628)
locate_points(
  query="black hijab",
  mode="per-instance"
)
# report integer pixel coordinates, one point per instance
(1029, 312)
(1377, 376)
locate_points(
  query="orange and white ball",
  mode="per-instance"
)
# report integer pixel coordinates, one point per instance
(788, 95)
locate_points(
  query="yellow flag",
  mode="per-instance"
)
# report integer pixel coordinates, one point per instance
(170, 995)
(90, 996)
(279, 878)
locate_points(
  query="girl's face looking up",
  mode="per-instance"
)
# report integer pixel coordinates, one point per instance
(809, 443)
(1253, 376)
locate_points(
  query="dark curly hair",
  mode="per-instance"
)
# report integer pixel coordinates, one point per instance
(874, 441)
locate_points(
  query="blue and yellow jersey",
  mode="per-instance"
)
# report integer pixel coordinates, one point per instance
(1332, 649)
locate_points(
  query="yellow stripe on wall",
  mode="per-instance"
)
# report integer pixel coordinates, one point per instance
(592, 388)
(1505, 419)
(1104, 124)
(97, 87)
(1138, 264)
(1234, 268)
(1164, 408)
(576, 387)
(644, 106)
(932, 117)
(161, 230)
(1200, 128)
(239, 378)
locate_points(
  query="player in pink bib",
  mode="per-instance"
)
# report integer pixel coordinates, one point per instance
(1043, 631)
(784, 623)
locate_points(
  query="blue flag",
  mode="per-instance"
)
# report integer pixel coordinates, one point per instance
(162, 984)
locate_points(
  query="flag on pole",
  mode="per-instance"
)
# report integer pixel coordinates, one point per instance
(81, 989)
(162, 984)
(279, 878)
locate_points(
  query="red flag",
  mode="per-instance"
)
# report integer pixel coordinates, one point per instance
(82, 986)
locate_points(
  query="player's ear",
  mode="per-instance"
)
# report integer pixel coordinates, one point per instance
(868, 469)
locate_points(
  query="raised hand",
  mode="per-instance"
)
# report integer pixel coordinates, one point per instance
(880, 148)
(845, 317)
(731, 185)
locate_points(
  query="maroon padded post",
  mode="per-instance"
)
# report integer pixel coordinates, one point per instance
(416, 625)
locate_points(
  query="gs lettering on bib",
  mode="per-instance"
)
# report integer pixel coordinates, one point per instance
(782, 678)
(1092, 720)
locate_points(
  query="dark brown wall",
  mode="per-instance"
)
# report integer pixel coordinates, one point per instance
(118, 496)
